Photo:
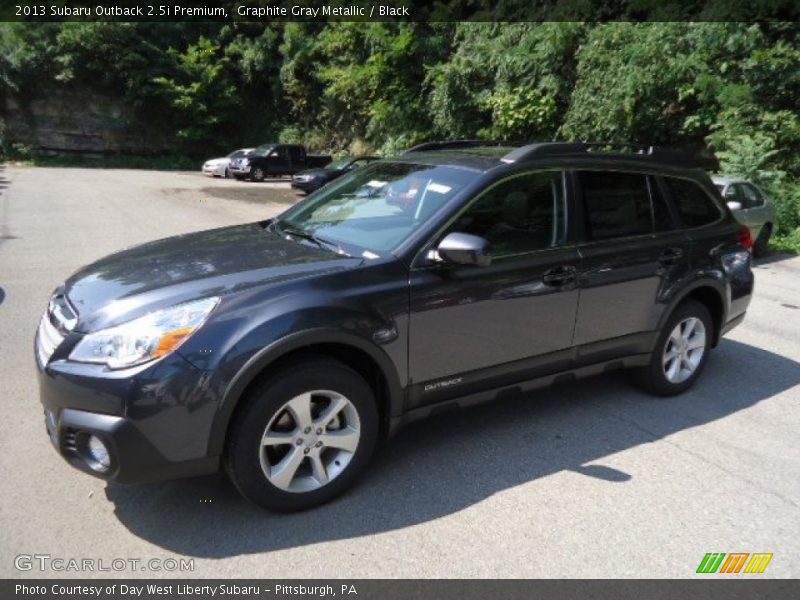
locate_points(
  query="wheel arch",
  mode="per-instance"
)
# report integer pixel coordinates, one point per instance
(367, 359)
(712, 295)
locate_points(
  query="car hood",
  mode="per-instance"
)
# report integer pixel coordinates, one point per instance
(218, 161)
(137, 280)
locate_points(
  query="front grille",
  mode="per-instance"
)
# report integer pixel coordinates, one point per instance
(58, 320)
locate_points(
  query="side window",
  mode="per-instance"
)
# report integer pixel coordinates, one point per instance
(519, 215)
(694, 205)
(752, 199)
(732, 194)
(617, 204)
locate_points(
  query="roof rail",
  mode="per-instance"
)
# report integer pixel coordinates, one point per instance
(669, 156)
(453, 144)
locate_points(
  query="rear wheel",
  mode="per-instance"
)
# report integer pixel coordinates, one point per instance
(761, 245)
(303, 437)
(681, 351)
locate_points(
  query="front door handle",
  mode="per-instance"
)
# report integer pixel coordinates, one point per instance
(670, 256)
(560, 275)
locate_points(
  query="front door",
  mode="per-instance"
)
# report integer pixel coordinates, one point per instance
(278, 163)
(474, 328)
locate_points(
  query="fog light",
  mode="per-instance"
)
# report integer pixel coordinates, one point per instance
(98, 452)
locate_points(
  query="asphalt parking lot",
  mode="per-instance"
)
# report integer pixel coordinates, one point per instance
(587, 479)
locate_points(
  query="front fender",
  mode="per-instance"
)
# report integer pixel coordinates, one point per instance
(233, 387)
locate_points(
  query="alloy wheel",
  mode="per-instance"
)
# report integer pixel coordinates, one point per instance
(684, 350)
(310, 441)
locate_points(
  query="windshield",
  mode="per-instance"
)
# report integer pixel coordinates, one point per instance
(378, 206)
(236, 154)
(263, 150)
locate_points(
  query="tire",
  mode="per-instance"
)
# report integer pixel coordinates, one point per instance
(227, 173)
(761, 245)
(276, 476)
(257, 174)
(661, 377)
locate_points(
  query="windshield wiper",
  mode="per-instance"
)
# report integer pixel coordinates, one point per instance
(308, 235)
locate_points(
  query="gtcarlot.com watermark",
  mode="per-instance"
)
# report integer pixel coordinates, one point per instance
(59, 564)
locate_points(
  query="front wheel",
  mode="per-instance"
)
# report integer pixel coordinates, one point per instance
(681, 351)
(257, 174)
(303, 436)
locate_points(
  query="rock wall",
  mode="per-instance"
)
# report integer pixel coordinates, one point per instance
(66, 120)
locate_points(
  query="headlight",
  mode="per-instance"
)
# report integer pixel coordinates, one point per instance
(146, 338)
(245, 162)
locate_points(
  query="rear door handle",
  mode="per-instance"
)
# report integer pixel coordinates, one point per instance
(559, 275)
(670, 256)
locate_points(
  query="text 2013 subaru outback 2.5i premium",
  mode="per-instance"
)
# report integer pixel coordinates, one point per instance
(284, 350)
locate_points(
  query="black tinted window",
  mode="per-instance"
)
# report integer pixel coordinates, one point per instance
(519, 215)
(617, 204)
(694, 205)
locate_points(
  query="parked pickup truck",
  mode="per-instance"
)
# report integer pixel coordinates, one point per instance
(275, 160)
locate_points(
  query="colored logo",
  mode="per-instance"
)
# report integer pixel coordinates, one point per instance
(735, 562)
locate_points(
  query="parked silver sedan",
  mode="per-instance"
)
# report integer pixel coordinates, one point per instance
(218, 167)
(751, 207)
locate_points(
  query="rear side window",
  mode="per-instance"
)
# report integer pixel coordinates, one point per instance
(695, 206)
(619, 204)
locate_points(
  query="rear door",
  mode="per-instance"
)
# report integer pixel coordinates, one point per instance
(631, 253)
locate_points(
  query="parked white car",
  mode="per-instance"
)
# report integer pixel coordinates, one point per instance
(218, 167)
(751, 207)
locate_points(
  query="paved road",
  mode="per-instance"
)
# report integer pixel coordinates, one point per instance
(589, 479)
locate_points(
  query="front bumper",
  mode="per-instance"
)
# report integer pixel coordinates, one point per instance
(239, 171)
(133, 459)
(213, 171)
(306, 186)
(155, 423)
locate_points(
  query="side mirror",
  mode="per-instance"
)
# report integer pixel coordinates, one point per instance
(734, 205)
(465, 249)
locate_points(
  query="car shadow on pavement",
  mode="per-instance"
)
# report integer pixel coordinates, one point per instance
(772, 257)
(445, 464)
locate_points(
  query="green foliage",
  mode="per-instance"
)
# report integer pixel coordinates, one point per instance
(749, 156)
(787, 243)
(204, 98)
(470, 91)
(520, 113)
